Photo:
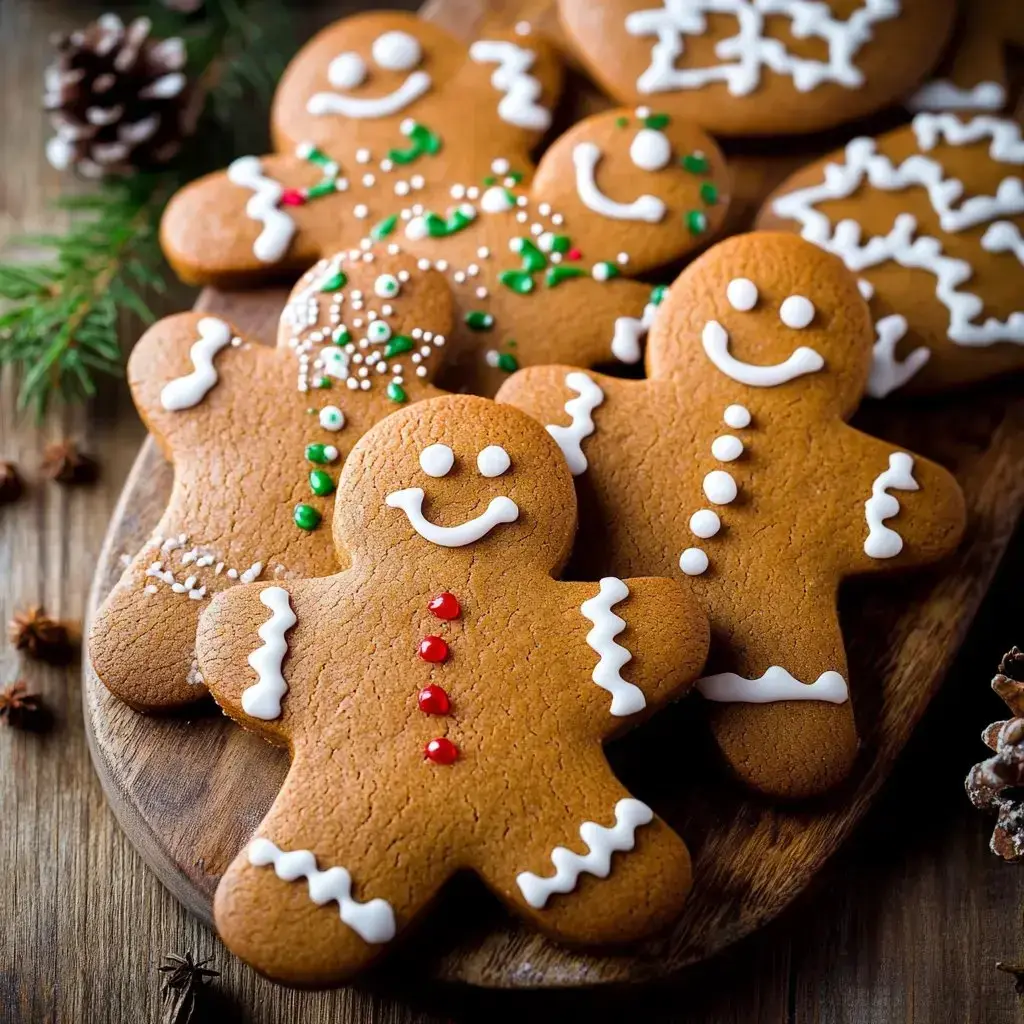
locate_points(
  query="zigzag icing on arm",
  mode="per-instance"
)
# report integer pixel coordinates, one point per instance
(278, 228)
(262, 700)
(775, 685)
(883, 542)
(581, 409)
(887, 372)
(519, 105)
(188, 391)
(373, 921)
(627, 698)
(601, 843)
(628, 331)
(942, 94)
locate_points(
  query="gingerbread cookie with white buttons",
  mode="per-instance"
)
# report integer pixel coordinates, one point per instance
(444, 701)
(732, 468)
(759, 67)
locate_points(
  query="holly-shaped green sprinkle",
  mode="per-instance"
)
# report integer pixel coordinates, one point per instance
(306, 517)
(384, 228)
(422, 141)
(397, 345)
(506, 362)
(657, 121)
(550, 242)
(556, 275)
(695, 163)
(697, 222)
(533, 259)
(622, 122)
(604, 271)
(709, 192)
(513, 178)
(658, 293)
(478, 320)
(334, 282)
(458, 220)
(323, 383)
(518, 281)
(321, 453)
(396, 393)
(320, 483)
(341, 336)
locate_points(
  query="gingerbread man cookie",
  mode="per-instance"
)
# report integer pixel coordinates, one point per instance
(943, 199)
(732, 467)
(444, 701)
(377, 106)
(257, 436)
(759, 67)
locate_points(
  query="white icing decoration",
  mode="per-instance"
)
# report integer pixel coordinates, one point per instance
(775, 685)
(521, 90)
(495, 200)
(720, 487)
(742, 294)
(705, 523)
(693, 562)
(581, 408)
(346, 71)
(386, 286)
(650, 150)
(188, 391)
(373, 921)
(493, 461)
(727, 448)
(628, 333)
(796, 311)
(262, 700)
(627, 698)
(410, 501)
(335, 362)
(378, 332)
(864, 163)
(941, 94)
(737, 417)
(601, 843)
(585, 158)
(803, 360)
(396, 51)
(887, 372)
(883, 542)
(278, 227)
(412, 88)
(437, 460)
(751, 50)
(331, 418)
(1004, 236)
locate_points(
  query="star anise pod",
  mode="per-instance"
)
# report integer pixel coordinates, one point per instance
(63, 462)
(18, 707)
(10, 483)
(182, 982)
(34, 632)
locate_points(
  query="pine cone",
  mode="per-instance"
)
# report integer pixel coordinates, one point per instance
(39, 636)
(63, 462)
(118, 100)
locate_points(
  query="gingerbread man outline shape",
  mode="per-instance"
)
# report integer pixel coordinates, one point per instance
(765, 334)
(445, 696)
(256, 435)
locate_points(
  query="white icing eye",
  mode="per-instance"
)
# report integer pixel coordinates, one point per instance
(378, 332)
(396, 51)
(796, 312)
(437, 460)
(742, 294)
(346, 71)
(386, 286)
(650, 150)
(493, 460)
(331, 418)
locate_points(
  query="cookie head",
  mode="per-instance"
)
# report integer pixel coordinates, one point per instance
(766, 311)
(637, 182)
(457, 476)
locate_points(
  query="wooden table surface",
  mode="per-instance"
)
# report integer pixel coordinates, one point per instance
(906, 923)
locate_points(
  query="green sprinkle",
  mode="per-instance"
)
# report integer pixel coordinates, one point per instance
(323, 383)
(397, 393)
(490, 180)
(306, 517)
(533, 259)
(321, 188)
(458, 220)
(342, 336)
(658, 293)
(321, 483)
(334, 282)
(319, 453)
(556, 275)
(554, 243)
(384, 228)
(695, 163)
(518, 281)
(709, 193)
(656, 121)
(507, 362)
(622, 122)
(478, 320)
(604, 271)
(697, 222)
(397, 345)
(317, 156)
(422, 142)
(514, 177)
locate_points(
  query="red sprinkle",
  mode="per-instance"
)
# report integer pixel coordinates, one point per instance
(441, 751)
(445, 606)
(574, 254)
(432, 648)
(433, 701)
(292, 197)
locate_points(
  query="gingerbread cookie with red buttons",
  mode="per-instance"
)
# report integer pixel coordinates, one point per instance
(732, 468)
(759, 67)
(444, 701)
(257, 436)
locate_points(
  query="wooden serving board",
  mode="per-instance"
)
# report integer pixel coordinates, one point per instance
(190, 791)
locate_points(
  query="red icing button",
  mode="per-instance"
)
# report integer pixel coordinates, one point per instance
(445, 606)
(433, 701)
(292, 197)
(432, 648)
(574, 254)
(441, 751)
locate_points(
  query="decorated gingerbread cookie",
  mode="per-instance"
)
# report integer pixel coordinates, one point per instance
(444, 701)
(732, 468)
(929, 217)
(257, 436)
(376, 108)
(759, 67)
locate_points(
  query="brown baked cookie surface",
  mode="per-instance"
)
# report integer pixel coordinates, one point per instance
(732, 468)
(257, 436)
(929, 217)
(759, 67)
(444, 700)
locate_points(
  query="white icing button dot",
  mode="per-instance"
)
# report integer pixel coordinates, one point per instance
(437, 460)
(796, 312)
(742, 294)
(650, 150)
(693, 561)
(346, 71)
(396, 51)
(378, 331)
(386, 286)
(493, 460)
(737, 417)
(720, 487)
(331, 418)
(726, 448)
(704, 523)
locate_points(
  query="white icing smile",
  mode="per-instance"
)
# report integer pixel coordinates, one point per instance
(410, 501)
(715, 339)
(364, 108)
(585, 158)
